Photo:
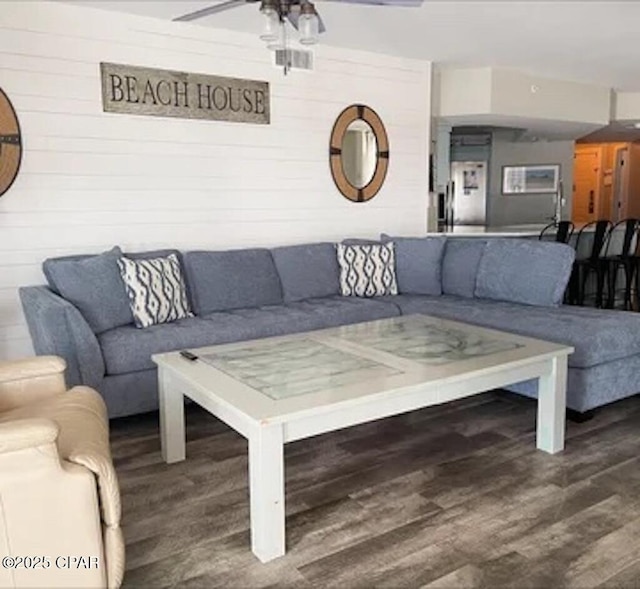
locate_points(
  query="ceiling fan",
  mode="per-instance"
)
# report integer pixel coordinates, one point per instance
(300, 13)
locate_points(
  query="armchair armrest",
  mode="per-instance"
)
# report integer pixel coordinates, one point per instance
(29, 380)
(26, 433)
(49, 506)
(31, 368)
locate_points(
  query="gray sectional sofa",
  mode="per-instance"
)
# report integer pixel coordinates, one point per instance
(512, 285)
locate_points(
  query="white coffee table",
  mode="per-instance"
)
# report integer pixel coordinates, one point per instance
(282, 389)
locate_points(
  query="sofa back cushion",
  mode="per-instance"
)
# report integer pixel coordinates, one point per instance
(524, 271)
(460, 264)
(418, 264)
(234, 279)
(92, 283)
(307, 271)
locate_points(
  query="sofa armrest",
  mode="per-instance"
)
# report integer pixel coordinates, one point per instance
(57, 328)
(26, 433)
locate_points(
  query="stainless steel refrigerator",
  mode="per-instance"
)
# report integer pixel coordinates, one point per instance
(469, 193)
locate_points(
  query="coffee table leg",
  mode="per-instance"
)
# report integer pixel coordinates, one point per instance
(266, 489)
(172, 435)
(552, 404)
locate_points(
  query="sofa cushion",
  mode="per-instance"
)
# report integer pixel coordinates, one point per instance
(93, 285)
(339, 310)
(598, 336)
(127, 349)
(156, 290)
(234, 279)
(307, 271)
(460, 265)
(418, 264)
(367, 270)
(47, 264)
(524, 271)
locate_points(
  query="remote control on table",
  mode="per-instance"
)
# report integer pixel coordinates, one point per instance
(188, 355)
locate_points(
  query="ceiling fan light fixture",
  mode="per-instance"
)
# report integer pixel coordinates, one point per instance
(308, 24)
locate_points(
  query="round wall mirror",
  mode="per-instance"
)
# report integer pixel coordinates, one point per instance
(359, 153)
(10, 144)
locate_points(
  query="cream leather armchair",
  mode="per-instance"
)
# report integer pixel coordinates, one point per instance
(59, 496)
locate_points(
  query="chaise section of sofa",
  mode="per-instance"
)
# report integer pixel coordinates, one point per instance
(518, 286)
(604, 341)
(236, 295)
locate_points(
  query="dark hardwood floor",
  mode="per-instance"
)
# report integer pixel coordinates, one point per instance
(454, 496)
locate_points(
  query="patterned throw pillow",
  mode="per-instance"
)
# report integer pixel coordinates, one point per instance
(156, 290)
(367, 270)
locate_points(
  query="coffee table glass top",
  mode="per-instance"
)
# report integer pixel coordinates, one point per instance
(424, 342)
(287, 369)
(283, 369)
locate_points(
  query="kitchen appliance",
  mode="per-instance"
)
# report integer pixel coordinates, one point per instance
(468, 193)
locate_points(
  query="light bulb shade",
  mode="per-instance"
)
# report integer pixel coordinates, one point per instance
(279, 42)
(271, 28)
(308, 28)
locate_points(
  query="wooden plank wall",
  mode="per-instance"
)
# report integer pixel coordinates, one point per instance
(90, 179)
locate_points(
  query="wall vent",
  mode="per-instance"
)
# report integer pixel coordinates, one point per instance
(295, 58)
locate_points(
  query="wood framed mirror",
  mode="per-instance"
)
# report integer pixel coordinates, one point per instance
(10, 144)
(358, 153)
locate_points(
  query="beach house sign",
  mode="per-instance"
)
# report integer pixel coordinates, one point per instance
(163, 93)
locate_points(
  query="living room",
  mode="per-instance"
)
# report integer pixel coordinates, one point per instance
(368, 505)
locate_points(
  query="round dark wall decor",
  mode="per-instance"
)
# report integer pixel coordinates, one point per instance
(364, 183)
(10, 144)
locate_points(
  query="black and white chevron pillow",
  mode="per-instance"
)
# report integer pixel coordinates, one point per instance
(156, 290)
(367, 270)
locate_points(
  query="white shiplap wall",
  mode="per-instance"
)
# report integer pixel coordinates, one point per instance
(90, 180)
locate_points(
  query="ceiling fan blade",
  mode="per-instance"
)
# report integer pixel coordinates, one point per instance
(294, 14)
(211, 10)
(410, 3)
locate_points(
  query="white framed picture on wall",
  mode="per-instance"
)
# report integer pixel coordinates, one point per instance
(535, 179)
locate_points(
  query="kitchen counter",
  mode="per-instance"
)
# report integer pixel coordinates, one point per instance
(532, 230)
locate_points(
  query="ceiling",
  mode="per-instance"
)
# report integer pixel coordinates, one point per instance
(593, 42)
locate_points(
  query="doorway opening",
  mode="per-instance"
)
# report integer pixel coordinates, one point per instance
(606, 182)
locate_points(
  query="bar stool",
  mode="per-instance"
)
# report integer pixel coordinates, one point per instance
(619, 255)
(560, 232)
(589, 246)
